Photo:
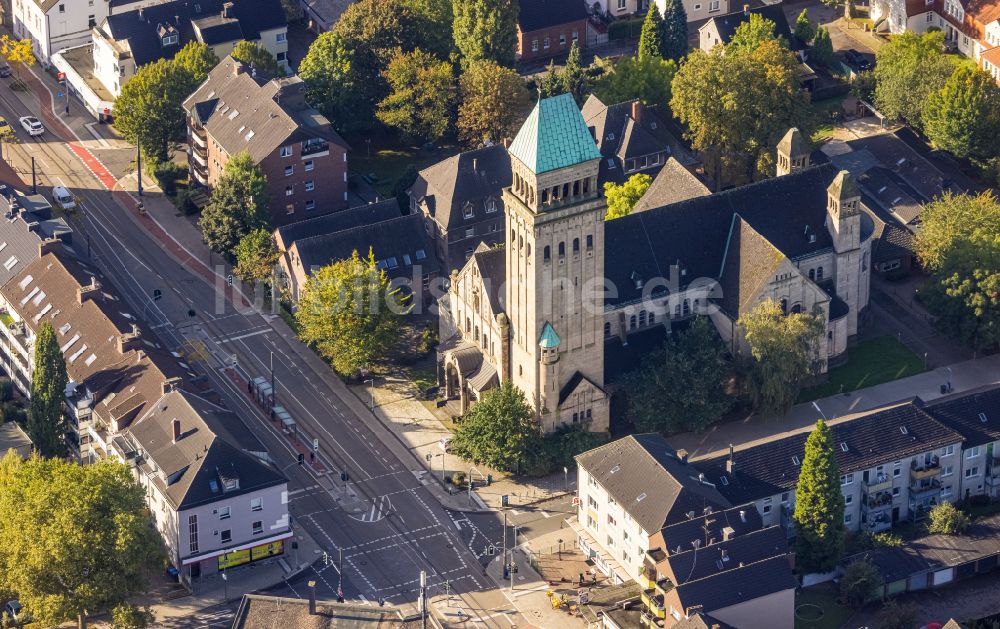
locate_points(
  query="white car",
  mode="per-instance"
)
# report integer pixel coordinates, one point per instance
(63, 198)
(32, 125)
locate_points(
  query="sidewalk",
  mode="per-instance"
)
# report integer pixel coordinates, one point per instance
(964, 376)
(419, 430)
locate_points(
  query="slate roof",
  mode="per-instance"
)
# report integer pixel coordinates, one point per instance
(643, 474)
(899, 157)
(471, 177)
(793, 144)
(871, 438)
(554, 136)
(402, 238)
(693, 233)
(538, 14)
(672, 184)
(242, 112)
(727, 24)
(694, 564)
(339, 221)
(192, 466)
(702, 621)
(738, 584)
(892, 242)
(936, 552)
(891, 194)
(620, 137)
(139, 27)
(974, 415)
(743, 519)
(749, 264)
(492, 268)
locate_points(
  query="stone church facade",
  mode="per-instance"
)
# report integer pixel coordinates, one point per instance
(541, 309)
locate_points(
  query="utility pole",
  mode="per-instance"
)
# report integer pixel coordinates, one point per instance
(34, 186)
(138, 167)
(340, 568)
(422, 603)
(274, 392)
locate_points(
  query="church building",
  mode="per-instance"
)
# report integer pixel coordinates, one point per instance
(540, 309)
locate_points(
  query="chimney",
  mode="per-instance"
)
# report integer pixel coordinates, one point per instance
(475, 165)
(170, 384)
(176, 424)
(47, 245)
(140, 14)
(727, 534)
(682, 455)
(226, 6)
(746, 10)
(238, 68)
(312, 598)
(90, 290)
(730, 463)
(637, 111)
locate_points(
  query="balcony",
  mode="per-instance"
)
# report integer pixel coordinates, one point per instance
(924, 489)
(878, 522)
(649, 620)
(925, 470)
(878, 484)
(654, 603)
(199, 156)
(198, 137)
(315, 147)
(919, 513)
(878, 503)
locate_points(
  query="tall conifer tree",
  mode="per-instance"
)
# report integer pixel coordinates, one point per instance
(819, 505)
(46, 423)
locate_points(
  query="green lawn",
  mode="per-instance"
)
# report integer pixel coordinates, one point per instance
(387, 164)
(817, 608)
(822, 113)
(871, 362)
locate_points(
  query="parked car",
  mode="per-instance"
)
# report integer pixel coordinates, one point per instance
(63, 198)
(4, 71)
(857, 60)
(32, 125)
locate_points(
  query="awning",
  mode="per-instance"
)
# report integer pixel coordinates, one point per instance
(223, 551)
(485, 378)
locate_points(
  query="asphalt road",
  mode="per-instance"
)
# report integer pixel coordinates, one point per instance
(385, 524)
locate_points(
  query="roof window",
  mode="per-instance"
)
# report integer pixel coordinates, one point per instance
(615, 469)
(640, 497)
(903, 430)
(983, 418)
(796, 461)
(843, 446)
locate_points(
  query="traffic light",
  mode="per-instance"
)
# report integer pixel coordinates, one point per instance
(62, 78)
(302, 458)
(229, 279)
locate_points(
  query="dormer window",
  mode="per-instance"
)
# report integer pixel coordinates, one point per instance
(467, 211)
(169, 40)
(491, 205)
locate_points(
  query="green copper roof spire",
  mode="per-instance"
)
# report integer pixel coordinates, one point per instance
(554, 136)
(548, 338)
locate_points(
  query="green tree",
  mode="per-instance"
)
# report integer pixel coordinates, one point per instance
(433, 20)
(127, 616)
(675, 31)
(863, 86)
(18, 52)
(257, 57)
(651, 38)
(77, 538)
(907, 69)
(46, 423)
(256, 255)
(959, 244)
(861, 583)
(238, 205)
(574, 75)
(946, 519)
(896, 616)
(498, 430)
(819, 505)
(349, 312)
(751, 34)
(622, 198)
(963, 116)
(680, 387)
(737, 104)
(551, 83)
(148, 111)
(822, 46)
(486, 30)
(494, 100)
(422, 97)
(197, 60)
(632, 78)
(343, 70)
(784, 352)
(804, 29)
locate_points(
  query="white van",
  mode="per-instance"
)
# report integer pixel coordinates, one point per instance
(63, 198)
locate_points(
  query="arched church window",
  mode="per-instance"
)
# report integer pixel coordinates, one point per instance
(576, 245)
(631, 322)
(819, 273)
(652, 318)
(784, 306)
(545, 196)
(590, 241)
(528, 249)
(546, 253)
(562, 249)
(797, 308)
(812, 274)
(576, 188)
(607, 328)
(864, 262)
(677, 310)
(687, 307)
(520, 243)
(642, 319)
(586, 185)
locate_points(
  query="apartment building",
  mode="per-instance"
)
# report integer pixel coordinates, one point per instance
(212, 496)
(52, 25)
(549, 28)
(238, 109)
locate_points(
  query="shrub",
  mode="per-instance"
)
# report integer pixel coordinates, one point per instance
(6, 389)
(947, 520)
(458, 479)
(861, 583)
(428, 340)
(896, 616)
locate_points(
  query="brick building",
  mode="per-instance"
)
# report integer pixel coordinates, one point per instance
(548, 28)
(304, 159)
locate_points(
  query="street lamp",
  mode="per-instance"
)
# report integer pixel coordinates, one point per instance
(371, 389)
(138, 167)
(566, 478)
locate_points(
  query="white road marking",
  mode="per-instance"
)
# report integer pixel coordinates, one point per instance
(247, 335)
